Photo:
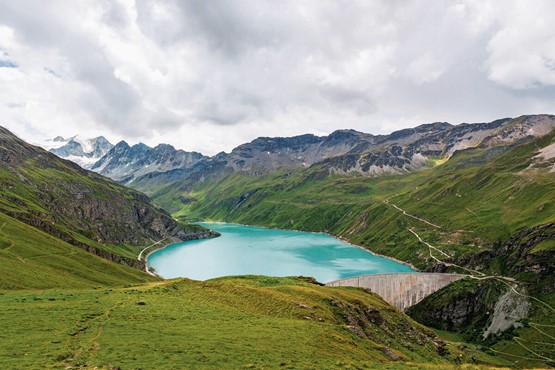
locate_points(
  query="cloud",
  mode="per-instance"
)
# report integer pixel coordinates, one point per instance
(7, 64)
(208, 76)
(522, 51)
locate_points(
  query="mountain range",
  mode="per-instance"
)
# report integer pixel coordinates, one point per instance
(126, 163)
(342, 152)
(476, 199)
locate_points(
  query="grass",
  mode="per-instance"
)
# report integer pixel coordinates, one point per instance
(32, 259)
(238, 322)
(77, 310)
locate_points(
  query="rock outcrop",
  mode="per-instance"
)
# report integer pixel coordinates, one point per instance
(479, 310)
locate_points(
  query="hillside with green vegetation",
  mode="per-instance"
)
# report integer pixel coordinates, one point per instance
(78, 310)
(65, 307)
(238, 322)
(80, 207)
(487, 210)
(33, 259)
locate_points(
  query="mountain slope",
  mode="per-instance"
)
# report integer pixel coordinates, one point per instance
(346, 153)
(477, 197)
(33, 259)
(487, 210)
(81, 207)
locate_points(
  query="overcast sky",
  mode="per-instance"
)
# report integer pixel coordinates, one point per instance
(209, 75)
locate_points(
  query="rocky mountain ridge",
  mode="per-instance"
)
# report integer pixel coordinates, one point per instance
(348, 151)
(125, 163)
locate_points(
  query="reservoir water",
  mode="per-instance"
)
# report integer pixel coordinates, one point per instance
(248, 250)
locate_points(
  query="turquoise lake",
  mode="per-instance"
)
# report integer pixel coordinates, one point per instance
(248, 250)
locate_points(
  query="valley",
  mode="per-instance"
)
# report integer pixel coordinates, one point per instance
(485, 211)
(470, 199)
(257, 184)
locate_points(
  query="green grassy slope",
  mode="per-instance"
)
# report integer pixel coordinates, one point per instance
(37, 195)
(32, 259)
(241, 322)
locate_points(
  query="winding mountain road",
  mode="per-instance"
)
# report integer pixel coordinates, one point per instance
(510, 282)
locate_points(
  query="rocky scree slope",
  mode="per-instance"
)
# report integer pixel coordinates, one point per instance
(79, 206)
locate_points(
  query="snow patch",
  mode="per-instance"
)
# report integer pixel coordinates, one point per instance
(84, 162)
(86, 144)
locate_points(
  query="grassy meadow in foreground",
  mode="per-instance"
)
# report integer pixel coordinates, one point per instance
(238, 322)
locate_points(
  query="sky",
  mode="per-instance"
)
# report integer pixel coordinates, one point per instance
(210, 75)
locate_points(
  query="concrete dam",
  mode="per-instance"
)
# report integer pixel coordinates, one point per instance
(401, 290)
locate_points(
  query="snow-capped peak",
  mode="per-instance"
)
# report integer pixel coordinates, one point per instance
(81, 150)
(86, 144)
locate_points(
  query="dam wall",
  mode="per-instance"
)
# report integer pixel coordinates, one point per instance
(401, 290)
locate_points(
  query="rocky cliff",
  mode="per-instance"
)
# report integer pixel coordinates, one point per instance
(484, 309)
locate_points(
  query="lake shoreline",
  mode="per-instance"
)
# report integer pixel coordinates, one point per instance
(147, 268)
(344, 264)
(196, 236)
(344, 240)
